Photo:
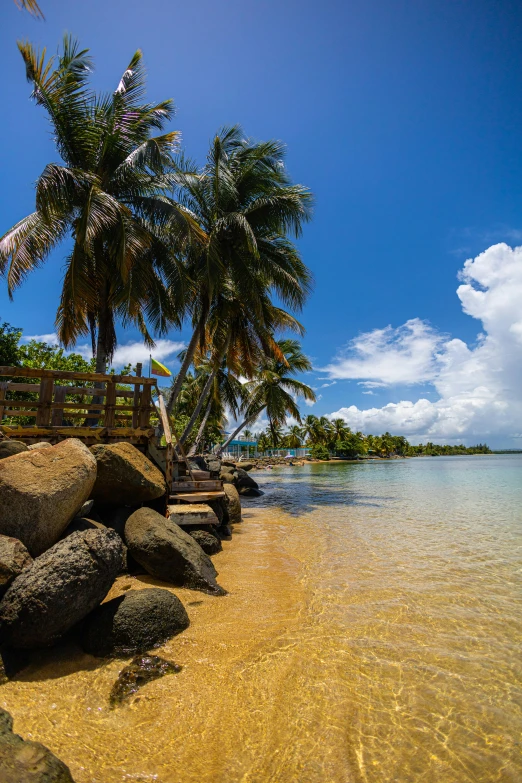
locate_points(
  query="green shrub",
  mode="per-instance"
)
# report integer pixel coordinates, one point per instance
(319, 452)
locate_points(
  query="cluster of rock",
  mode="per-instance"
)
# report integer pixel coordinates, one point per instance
(71, 520)
(259, 463)
(237, 474)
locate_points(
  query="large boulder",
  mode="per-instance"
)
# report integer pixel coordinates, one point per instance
(227, 476)
(243, 480)
(9, 448)
(232, 503)
(208, 542)
(59, 588)
(134, 623)
(24, 761)
(14, 557)
(42, 444)
(168, 553)
(125, 476)
(42, 490)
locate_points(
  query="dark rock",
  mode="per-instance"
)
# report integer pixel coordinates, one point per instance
(250, 492)
(244, 480)
(42, 490)
(10, 447)
(125, 476)
(24, 761)
(228, 464)
(14, 557)
(168, 553)
(197, 463)
(59, 588)
(225, 532)
(208, 542)
(116, 517)
(134, 622)
(80, 524)
(140, 671)
(86, 508)
(218, 507)
(233, 504)
(227, 477)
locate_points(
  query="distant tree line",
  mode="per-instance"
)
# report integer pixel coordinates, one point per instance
(333, 438)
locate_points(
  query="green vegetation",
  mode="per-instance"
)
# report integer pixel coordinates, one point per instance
(333, 438)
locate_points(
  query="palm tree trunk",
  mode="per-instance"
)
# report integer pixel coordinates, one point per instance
(101, 360)
(236, 432)
(195, 445)
(197, 410)
(187, 361)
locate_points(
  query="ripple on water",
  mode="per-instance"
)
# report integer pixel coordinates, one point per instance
(371, 635)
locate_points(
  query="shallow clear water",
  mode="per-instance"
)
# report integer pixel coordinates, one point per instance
(372, 634)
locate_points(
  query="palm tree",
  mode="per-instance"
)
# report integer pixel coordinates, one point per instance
(339, 429)
(31, 6)
(294, 437)
(273, 388)
(110, 195)
(245, 206)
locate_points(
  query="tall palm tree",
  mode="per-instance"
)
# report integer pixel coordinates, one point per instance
(294, 437)
(274, 388)
(31, 6)
(110, 194)
(246, 206)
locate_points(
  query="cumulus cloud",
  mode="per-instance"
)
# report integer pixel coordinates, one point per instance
(311, 403)
(479, 386)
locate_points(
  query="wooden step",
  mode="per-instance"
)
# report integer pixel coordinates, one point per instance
(197, 486)
(194, 514)
(197, 497)
(197, 475)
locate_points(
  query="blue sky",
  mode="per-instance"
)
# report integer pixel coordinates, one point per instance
(403, 118)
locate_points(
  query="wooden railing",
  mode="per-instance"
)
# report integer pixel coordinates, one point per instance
(112, 407)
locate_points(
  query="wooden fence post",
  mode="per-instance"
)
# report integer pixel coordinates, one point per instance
(136, 398)
(59, 396)
(43, 416)
(110, 403)
(145, 406)
(3, 389)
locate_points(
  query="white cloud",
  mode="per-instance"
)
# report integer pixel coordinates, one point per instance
(311, 403)
(325, 385)
(51, 338)
(479, 387)
(390, 356)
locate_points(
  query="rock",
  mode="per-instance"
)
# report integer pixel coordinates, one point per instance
(80, 524)
(244, 480)
(116, 517)
(86, 508)
(10, 447)
(14, 557)
(245, 465)
(233, 504)
(134, 622)
(59, 588)
(24, 761)
(225, 532)
(250, 492)
(213, 464)
(227, 463)
(41, 492)
(219, 509)
(208, 542)
(227, 477)
(168, 553)
(43, 444)
(140, 671)
(125, 476)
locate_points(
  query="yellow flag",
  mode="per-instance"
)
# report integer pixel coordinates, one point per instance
(157, 368)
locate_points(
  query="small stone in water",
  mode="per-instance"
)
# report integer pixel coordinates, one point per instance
(139, 672)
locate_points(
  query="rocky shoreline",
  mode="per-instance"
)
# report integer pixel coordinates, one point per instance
(73, 519)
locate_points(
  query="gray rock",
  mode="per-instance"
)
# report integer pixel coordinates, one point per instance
(59, 588)
(208, 542)
(80, 524)
(43, 444)
(24, 761)
(10, 447)
(14, 557)
(168, 553)
(134, 623)
(42, 490)
(86, 508)
(125, 476)
(233, 504)
(213, 464)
